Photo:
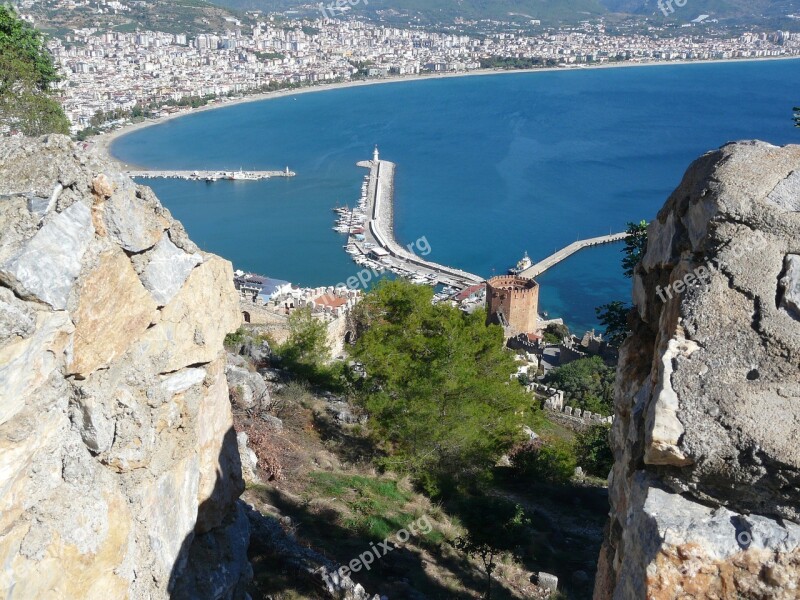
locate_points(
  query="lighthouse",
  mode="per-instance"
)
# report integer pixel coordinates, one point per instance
(376, 155)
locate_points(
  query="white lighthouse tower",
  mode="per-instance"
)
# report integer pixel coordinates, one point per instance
(376, 156)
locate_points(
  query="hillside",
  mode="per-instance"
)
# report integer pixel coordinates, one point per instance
(178, 16)
(549, 11)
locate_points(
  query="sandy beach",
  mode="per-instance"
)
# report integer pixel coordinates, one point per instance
(102, 143)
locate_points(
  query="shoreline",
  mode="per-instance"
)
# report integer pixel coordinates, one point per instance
(101, 144)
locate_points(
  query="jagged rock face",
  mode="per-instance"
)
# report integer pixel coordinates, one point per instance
(705, 491)
(117, 448)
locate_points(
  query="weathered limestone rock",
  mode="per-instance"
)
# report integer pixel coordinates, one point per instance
(114, 310)
(46, 267)
(790, 286)
(116, 439)
(179, 340)
(135, 219)
(167, 270)
(705, 488)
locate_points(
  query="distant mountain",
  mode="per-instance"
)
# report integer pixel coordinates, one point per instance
(742, 10)
(443, 10)
(549, 11)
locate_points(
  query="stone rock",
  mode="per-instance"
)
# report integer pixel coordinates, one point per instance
(95, 426)
(133, 218)
(115, 424)
(183, 380)
(272, 422)
(218, 565)
(248, 459)
(167, 269)
(114, 310)
(547, 581)
(790, 286)
(221, 481)
(186, 335)
(707, 396)
(787, 193)
(46, 267)
(17, 318)
(248, 389)
(26, 365)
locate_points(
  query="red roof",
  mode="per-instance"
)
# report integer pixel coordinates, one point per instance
(331, 301)
(469, 291)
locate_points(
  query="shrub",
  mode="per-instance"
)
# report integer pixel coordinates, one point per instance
(593, 450)
(552, 461)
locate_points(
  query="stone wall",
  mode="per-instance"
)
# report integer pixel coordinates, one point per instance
(117, 455)
(705, 488)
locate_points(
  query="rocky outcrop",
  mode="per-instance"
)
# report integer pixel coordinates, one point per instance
(705, 491)
(118, 460)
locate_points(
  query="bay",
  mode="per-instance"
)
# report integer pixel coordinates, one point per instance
(488, 167)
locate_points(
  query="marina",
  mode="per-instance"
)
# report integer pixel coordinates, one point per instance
(371, 241)
(212, 176)
(371, 237)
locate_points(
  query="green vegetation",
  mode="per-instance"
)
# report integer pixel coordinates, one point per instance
(491, 540)
(307, 353)
(587, 383)
(555, 333)
(614, 315)
(508, 62)
(551, 461)
(635, 246)
(26, 76)
(593, 450)
(436, 387)
(614, 318)
(376, 506)
(270, 56)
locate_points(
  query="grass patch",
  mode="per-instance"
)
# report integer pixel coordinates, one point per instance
(374, 508)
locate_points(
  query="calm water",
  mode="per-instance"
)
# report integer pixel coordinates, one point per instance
(488, 167)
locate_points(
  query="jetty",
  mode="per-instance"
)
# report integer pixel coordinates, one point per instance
(548, 263)
(239, 175)
(381, 244)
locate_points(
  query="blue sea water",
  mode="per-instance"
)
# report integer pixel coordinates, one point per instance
(488, 167)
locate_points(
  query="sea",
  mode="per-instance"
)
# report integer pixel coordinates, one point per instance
(489, 167)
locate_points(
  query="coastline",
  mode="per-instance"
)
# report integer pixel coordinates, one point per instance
(101, 144)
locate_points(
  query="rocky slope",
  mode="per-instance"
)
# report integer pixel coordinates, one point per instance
(118, 460)
(704, 491)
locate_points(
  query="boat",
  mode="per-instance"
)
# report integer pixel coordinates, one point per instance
(524, 263)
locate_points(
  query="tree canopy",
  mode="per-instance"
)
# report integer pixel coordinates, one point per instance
(26, 75)
(635, 246)
(587, 383)
(437, 385)
(614, 318)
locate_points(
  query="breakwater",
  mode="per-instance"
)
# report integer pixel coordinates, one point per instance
(379, 233)
(551, 261)
(212, 175)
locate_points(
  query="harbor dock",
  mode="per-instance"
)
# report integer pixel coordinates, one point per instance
(372, 242)
(551, 261)
(212, 175)
(378, 233)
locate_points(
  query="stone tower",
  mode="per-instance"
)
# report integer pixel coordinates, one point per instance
(513, 302)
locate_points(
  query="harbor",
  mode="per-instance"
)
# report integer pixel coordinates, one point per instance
(212, 176)
(551, 261)
(371, 240)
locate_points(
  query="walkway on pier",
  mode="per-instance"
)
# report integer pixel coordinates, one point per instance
(211, 175)
(380, 210)
(563, 254)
